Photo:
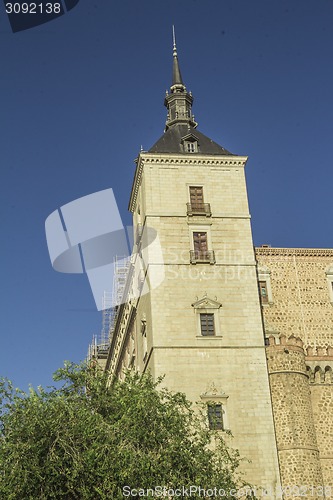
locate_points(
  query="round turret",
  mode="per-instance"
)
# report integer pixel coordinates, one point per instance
(292, 409)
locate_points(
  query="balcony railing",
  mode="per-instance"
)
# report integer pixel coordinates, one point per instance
(199, 209)
(202, 256)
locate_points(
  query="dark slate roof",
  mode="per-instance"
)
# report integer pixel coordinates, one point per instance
(176, 74)
(170, 142)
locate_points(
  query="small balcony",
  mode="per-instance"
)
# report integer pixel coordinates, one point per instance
(202, 257)
(199, 209)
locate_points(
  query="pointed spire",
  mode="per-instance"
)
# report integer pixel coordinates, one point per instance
(179, 101)
(176, 75)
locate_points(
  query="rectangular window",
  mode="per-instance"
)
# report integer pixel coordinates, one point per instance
(200, 243)
(207, 324)
(215, 417)
(263, 292)
(191, 147)
(196, 197)
(201, 252)
(196, 206)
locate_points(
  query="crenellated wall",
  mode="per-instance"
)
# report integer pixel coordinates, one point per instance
(319, 363)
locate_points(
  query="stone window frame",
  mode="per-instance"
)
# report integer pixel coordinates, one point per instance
(190, 143)
(263, 296)
(329, 279)
(207, 306)
(215, 397)
(264, 274)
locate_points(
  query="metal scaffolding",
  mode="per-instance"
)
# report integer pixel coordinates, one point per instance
(111, 301)
(107, 317)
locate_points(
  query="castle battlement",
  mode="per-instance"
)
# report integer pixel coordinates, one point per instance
(283, 342)
(286, 355)
(320, 374)
(317, 353)
(319, 364)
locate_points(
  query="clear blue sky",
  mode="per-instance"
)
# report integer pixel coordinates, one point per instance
(81, 94)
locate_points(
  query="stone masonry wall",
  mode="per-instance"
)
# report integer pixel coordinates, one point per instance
(300, 303)
(295, 430)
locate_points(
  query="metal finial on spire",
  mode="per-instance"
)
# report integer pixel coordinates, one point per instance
(176, 75)
(174, 41)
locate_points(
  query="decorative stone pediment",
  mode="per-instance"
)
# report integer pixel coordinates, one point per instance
(213, 393)
(189, 138)
(206, 303)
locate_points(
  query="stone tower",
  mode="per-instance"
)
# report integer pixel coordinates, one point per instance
(201, 326)
(295, 429)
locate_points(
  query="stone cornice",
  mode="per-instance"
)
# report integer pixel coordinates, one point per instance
(194, 159)
(297, 252)
(136, 184)
(175, 160)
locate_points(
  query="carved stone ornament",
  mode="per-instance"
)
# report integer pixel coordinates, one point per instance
(213, 392)
(206, 303)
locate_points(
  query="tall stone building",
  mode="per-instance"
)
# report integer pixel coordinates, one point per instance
(248, 329)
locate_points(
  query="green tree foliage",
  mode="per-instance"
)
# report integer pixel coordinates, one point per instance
(89, 440)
